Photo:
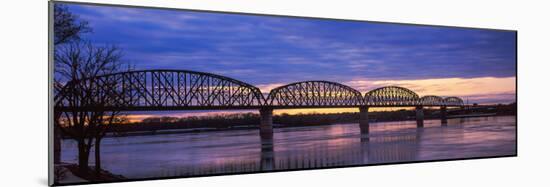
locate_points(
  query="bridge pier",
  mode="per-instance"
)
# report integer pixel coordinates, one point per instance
(364, 122)
(266, 139)
(267, 162)
(266, 125)
(443, 115)
(419, 117)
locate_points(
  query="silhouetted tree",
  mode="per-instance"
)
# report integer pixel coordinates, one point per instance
(67, 26)
(75, 65)
(106, 120)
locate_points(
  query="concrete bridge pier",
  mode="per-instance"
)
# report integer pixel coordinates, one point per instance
(266, 139)
(364, 122)
(266, 125)
(443, 115)
(419, 117)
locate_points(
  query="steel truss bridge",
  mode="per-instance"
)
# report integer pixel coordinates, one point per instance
(153, 90)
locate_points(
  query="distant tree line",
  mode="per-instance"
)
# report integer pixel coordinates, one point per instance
(251, 120)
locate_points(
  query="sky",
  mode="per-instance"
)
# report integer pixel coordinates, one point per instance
(268, 51)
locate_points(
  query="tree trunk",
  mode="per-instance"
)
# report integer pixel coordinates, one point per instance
(83, 154)
(97, 155)
(56, 144)
(56, 138)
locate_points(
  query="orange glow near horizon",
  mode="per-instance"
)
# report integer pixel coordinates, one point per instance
(460, 87)
(132, 118)
(474, 89)
(333, 110)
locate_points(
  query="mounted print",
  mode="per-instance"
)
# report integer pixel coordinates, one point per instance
(154, 93)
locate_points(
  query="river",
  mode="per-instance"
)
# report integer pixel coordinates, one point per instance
(237, 151)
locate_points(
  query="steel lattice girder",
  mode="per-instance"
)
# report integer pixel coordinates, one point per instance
(190, 90)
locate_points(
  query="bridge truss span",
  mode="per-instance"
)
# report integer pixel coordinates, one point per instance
(314, 94)
(391, 96)
(432, 100)
(163, 90)
(453, 101)
(191, 90)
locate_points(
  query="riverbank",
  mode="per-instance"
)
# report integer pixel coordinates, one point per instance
(69, 173)
(249, 120)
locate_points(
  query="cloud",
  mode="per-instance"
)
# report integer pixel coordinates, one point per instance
(123, 15)
(266, 51)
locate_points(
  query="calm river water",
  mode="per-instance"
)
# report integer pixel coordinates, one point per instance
(189, 154)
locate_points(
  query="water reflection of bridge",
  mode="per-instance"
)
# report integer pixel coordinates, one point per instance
(155, 90)
(382, 148)
(292, 153)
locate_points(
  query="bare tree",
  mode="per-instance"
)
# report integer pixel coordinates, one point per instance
(77, 66)
(110, 94)
(113, 117)
(67, 26)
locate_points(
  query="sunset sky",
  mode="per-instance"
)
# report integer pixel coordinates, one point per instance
(476, 65)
